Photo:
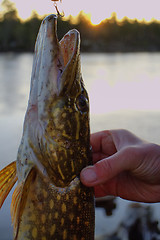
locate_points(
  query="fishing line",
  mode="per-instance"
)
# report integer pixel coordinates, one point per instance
(59, 14)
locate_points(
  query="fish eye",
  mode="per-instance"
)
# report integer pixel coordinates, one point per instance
(82, 103)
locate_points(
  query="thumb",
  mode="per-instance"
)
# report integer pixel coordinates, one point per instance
(108, 168)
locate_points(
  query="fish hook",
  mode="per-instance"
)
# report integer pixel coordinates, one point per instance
(56, 7)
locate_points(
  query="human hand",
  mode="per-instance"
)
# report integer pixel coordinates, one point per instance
(124, 166)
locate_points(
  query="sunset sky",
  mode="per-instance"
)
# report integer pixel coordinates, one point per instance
(99, 10)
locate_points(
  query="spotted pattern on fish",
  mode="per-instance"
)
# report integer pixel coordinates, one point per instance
(59, 215)
(49, 201)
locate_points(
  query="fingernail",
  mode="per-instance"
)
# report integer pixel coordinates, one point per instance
(89, 175)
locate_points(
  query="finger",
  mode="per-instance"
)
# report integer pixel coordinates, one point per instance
(129, 189)
(106, 189)
(99, 191)
(108, 168)
(98, 156)
(95, 140)
(103, 142)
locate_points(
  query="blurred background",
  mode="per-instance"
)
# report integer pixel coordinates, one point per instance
(120, 44)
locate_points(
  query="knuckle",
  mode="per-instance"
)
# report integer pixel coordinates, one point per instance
(104, 169)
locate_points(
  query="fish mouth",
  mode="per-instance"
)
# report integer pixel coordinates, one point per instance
(55, 63)
(55, 84)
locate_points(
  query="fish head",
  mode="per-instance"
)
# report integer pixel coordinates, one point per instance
(57, 118)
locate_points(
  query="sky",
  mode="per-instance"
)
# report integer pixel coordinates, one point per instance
(99, 10)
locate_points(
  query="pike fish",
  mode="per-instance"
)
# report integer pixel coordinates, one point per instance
(49, 201)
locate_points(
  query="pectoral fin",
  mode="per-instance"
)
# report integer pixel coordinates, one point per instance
(19, 199)
(8, 178)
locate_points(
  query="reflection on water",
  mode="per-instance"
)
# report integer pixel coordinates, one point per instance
(15, 72)
(124, 93)
(114, 81)
(122, 81)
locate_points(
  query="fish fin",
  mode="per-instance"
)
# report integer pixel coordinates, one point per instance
(8, 177)
(16, 198)
(19, 198)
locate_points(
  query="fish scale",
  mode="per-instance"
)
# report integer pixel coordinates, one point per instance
(67, 212)
(49, 201)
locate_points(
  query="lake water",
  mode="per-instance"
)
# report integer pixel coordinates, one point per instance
(124, 91)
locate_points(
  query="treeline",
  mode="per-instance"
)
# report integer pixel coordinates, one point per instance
(125, 36)
(109, 36)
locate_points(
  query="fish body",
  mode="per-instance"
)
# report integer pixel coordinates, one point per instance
(49, 201)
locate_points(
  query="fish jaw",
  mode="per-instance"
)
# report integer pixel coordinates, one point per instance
(56, 127)
(45, 70)
(54, 64)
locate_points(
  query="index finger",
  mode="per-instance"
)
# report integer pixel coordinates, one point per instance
(102, 142)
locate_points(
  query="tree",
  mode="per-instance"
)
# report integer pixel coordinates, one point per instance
(9, 10)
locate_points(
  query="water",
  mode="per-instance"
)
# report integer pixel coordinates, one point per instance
(124, 93)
